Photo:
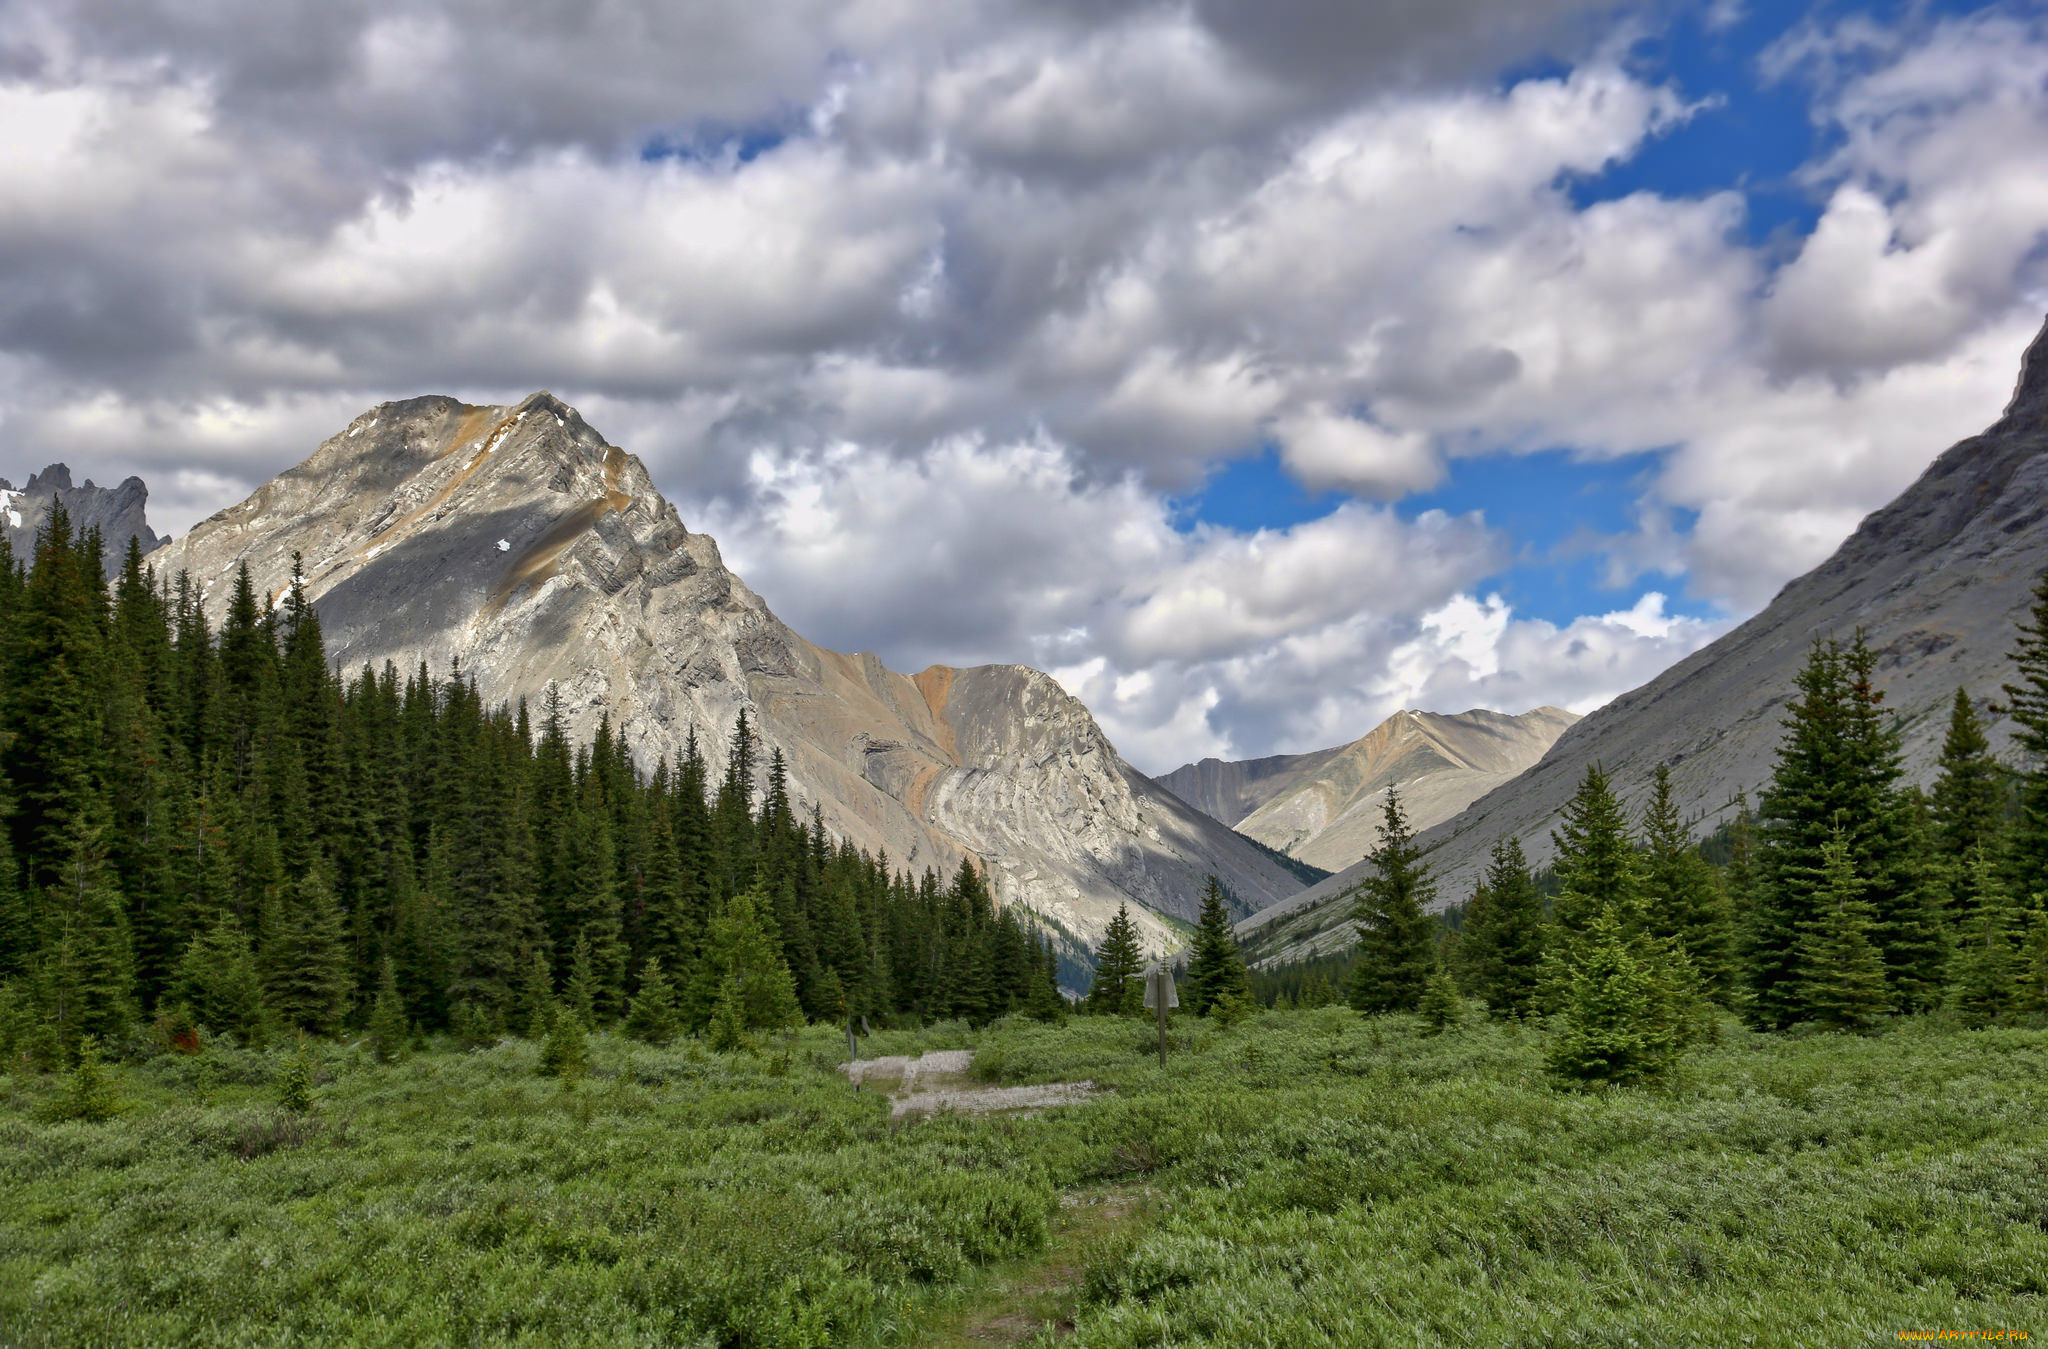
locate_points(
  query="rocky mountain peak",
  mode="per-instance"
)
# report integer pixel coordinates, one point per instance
(518, 541)
(2030, 393)
(119, 513)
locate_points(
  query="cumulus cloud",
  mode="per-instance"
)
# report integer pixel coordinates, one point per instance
(929, 313)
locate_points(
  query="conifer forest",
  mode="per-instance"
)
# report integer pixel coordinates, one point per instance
(341, 1008)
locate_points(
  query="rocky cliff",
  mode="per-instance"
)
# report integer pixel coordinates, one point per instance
(118, 512)
(1325, 807)
(1935, 580)
(517, 542)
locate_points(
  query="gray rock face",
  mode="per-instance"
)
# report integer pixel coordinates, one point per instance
(1936, 580)
(516, 541)
(119, 512)
(1325, 807)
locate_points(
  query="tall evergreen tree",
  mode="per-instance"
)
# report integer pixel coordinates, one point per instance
(1843, 973)
(304, 957)
(1396, 935)
(1968, 795)
(1988, 960)
(1503, 943)
(1118, 963)
(1216, 972)
(217, 982)
(1682, 900)
(1837, 771)
(1597, 868)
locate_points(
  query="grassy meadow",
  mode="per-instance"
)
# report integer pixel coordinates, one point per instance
(1305, 1178)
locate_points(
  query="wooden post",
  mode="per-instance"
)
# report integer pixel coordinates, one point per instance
(1165, 982)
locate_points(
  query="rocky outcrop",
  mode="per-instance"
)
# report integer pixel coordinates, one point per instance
(1325, 807)
(119, 513)
(1936, 581)
(515, 543)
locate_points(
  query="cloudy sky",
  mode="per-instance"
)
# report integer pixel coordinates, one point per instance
(1257, 366)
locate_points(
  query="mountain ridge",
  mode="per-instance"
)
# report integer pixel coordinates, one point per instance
(1935, 578)
(515, 541)
(1324, 807)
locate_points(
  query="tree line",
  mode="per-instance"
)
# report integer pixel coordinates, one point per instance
(1846, 895)
(212, 828)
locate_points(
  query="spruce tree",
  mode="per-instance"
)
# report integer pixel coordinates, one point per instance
(217, 982)
(1843, 973)
(305, 965)
(1441, 1007)
(742, 968)
(1838, 769)
(1118, 963)
(1396, 935)
(579, 992)
(1619, 1021)
(87, 975)
(2030, 980)
(1967, 799)
(387, 1016)
(1681, 898)
(1503, 944)
(1987, 963)
(652, 1017)
(1215, 969)
(1597, 867)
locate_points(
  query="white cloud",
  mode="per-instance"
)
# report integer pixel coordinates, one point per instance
(931, 364)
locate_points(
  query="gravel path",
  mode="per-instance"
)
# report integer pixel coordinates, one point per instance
(938, 1081)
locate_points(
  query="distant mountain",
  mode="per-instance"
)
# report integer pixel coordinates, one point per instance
(1325, 807)
(516, 541)
(1936, 580)
(119, 512)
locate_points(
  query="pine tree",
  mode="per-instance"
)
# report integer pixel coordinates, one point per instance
(579, 994)
(1837, 771)
(1118, 963)
(1968, 796)
(743, 966)
(1597, 867)
(1441, 1006)
(1619, 1022)
(1396, 936)
(1987, 965)
(217, 981)
(564, 1053)
(87, 975)
(305, 965)
(387, 1016)
(1215, 969)
(1843, 973)
(652, 1017)
(1680, 897)
(1503, 943)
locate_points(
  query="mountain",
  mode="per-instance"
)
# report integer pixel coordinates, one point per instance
(117, 511)
(1325, 807)
(516, 542)
(1936, 580)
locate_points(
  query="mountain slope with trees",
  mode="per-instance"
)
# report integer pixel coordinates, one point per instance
(1935, 581)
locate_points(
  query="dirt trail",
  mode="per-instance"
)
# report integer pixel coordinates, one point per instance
(1040, 1294)
(938, 1081)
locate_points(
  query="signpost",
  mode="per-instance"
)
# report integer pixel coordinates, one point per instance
(1160, 995)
